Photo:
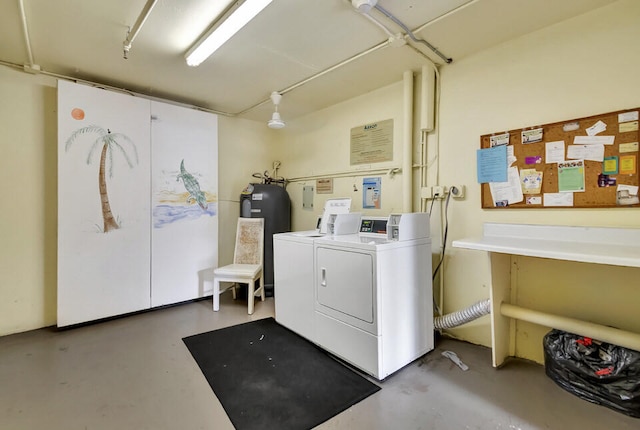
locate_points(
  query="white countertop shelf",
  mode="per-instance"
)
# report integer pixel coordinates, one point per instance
(601, 245)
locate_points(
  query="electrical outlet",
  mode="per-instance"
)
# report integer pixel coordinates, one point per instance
(457, 191)
(437, 192)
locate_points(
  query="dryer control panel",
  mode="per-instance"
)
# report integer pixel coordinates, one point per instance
(373, 225)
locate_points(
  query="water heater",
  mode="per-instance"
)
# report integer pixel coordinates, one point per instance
(272, 203)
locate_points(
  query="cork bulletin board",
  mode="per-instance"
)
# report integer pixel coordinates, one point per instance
(589, 162)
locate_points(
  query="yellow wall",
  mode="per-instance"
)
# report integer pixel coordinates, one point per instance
(584, 66)
(28, 218)
(319, 144)
(580, 67)
(244, 148)
(28, 215)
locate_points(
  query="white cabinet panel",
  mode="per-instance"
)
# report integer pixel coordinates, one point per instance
(103, 170)
(293, 283)
(137, 203)
(185, 201)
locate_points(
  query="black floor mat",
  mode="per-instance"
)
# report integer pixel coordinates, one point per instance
(268, 377)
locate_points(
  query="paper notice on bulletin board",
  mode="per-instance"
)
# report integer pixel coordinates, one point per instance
(571, 176)
(372, 143)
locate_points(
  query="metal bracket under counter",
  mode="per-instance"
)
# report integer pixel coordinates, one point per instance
(597, 245)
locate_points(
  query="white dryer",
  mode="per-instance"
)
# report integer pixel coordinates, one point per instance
(373, 299)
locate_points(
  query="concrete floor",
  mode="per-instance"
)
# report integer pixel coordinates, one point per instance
(136, 373)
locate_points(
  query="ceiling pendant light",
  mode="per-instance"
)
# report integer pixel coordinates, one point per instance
(275, 121)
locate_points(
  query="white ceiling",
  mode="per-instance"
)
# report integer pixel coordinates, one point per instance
(289, 42)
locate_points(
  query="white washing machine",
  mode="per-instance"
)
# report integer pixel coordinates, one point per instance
(373, 299)
(293, 281)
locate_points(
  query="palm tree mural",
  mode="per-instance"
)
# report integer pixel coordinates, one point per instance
(108, 143)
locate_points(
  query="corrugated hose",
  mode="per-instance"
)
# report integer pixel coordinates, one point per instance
(463, 316)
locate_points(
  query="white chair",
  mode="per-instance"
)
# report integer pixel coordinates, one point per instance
(247, 263)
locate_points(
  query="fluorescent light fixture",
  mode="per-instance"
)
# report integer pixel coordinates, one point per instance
(218, 35)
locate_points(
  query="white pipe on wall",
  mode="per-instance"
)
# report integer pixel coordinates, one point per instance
(427, 98)
(407, 147)
(391, 171)
(133, 32)
(25, 31)
(319, 74)
(611, 335)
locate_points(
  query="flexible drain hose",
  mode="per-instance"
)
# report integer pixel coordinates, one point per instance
(463, 316)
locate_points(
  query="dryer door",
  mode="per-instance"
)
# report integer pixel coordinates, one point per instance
(345, 284)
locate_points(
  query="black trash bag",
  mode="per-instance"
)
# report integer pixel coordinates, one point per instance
(601, 373)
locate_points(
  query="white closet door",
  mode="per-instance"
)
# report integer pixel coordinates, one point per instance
(103, 266)
(185, 202)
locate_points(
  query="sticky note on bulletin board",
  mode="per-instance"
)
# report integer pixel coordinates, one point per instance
(601, 150)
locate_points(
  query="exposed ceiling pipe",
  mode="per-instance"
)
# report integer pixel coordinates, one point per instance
(319, 74)
(364, 7)
(133, 32)
(445, 15)
(116, 89)
(142, 18)
(395, 40)
(378, 23)
(411, 35)
(31, 67)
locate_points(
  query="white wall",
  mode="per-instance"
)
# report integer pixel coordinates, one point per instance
(28, 184)
(581, 67)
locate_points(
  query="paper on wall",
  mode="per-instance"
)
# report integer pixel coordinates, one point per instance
(585, 152)
(554, 152)
(628, 147)
(491, 164)
(628, 116)
(627, 164)
(532, 136)
(626, 127)
(530, 181)
(596, 128)
(558, 199)
(571, 176)
(499, 139)
(627, 195)
(508, 192)
(511, 156)
(632, 189)
(593, 140)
